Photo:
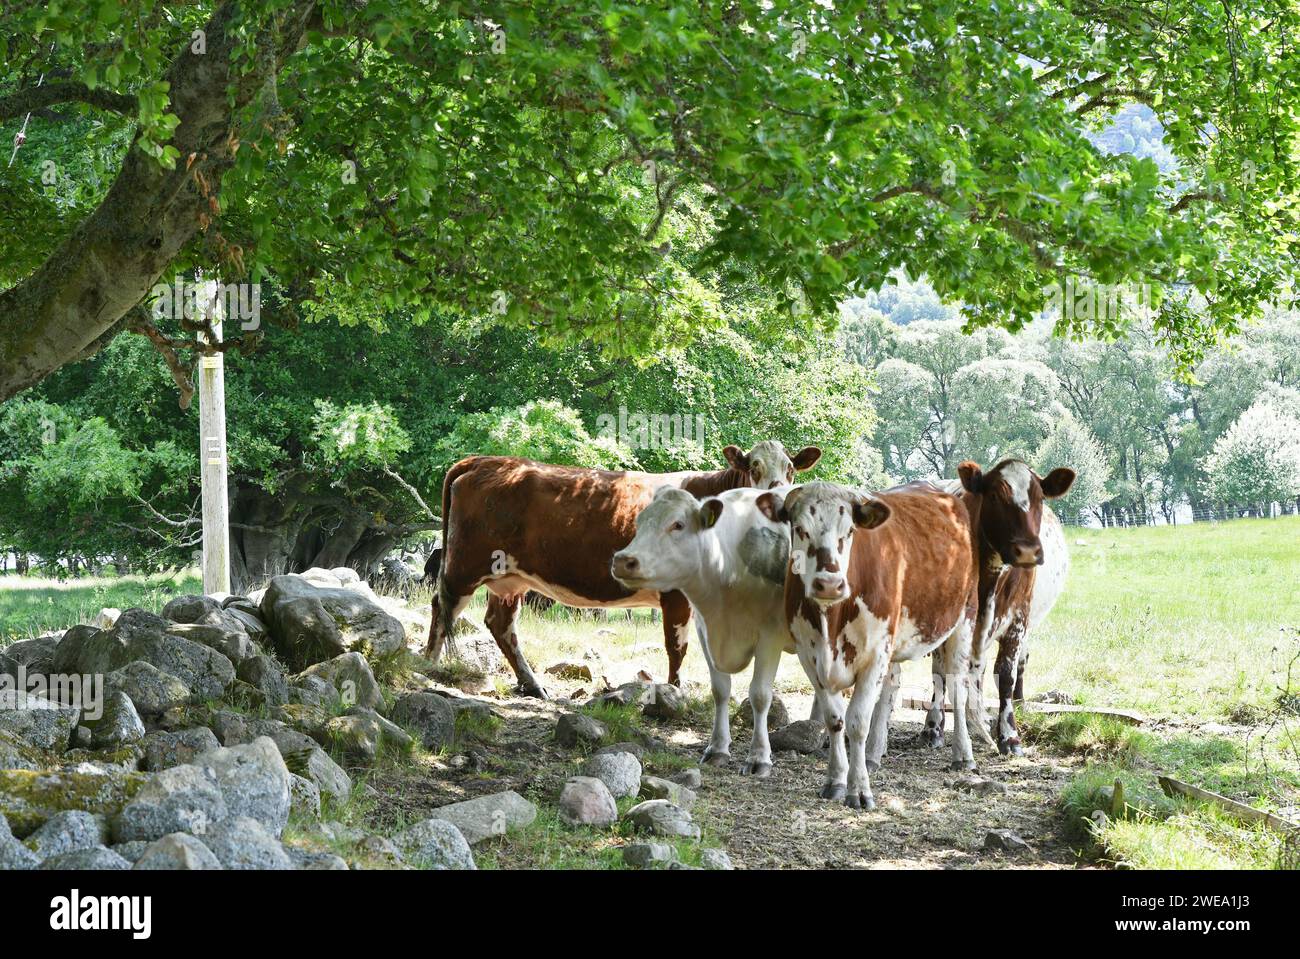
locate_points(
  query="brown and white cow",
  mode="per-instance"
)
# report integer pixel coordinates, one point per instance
(873, 580)
(514, 525)
(1023, 564)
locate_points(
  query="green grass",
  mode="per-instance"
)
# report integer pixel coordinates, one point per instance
(31, 605)
(622, 720)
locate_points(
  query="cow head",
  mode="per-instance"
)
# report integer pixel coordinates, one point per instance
(768, 465)
(666, 550)
(1011, 508)
(823, 518)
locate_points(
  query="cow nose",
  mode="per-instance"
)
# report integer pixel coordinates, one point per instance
(828, 586)
(1028, 553)
(624, 564)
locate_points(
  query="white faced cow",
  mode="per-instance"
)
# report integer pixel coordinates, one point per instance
(729, 560)
(873, 580)
(1023, 563)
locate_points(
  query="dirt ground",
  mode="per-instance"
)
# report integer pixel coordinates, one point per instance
(923, 820)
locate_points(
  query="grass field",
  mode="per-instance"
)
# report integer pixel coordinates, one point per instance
(1193, 626)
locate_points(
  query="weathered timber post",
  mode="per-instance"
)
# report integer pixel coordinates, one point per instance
(212, 450)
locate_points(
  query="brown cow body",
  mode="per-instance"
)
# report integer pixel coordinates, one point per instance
(515, 525)
(873, 581)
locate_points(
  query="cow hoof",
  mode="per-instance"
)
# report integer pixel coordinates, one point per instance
(534, 691)
(963, 766)
(712, 758)
(1010, 748)
(933, 738)
(833, 791)
(757, 770)
(860, 800)
(873, 765)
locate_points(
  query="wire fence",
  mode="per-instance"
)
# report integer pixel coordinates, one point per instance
(1180, 514)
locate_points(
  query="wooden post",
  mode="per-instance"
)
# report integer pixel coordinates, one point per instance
(212, 451)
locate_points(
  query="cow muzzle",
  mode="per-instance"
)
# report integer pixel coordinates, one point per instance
(1026, 553)
(829, 588)
(625, 568)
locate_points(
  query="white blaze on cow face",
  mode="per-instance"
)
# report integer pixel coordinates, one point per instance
(1018, 478)
(823, 519)
(667, 548)
(769, 465)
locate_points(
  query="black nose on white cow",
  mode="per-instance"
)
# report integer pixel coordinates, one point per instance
(1027, 552)
(624, 565)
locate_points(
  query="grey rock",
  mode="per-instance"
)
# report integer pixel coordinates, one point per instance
(715, 859)
(180, 799)
(659, 817)
(38, 722)
(586, 801)
(802, 736)
(83, 737)
(162, 750)
(119, 725)
(381, 848)
(621, 772)
(192, 609)
(665, 702)
(35, 655)
(308, 624)
(243, 843)
(328, 776)
(28, 799)
(980, 786)
(305, 859)
(435, 844)
(132, 850)
(254, 781)
(488, 816)
(264, 674)
(177, 851)
(690, 778)
(247, 616)
(350, 674)
(652, 787)
(361, 733)
(150, 690)
(777, 714)
(313, 691)
(1004, 840)
(570, 671)
(97, 858)
(236, 730)
(627, 694)
(642, 855)
(13, 854)
(579, 729)
(304, 797)
(67, 832)
(636, 749)
(16, 753)
(431, 716)
(231, 641)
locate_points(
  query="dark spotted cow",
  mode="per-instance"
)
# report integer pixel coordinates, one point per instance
(514, 525)
(873, 580)
(1023, 564)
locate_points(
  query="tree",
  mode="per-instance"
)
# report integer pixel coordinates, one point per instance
(1257, 461)
(525, 159)
(1070, 443)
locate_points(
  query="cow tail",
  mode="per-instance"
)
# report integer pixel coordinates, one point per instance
(436, 566)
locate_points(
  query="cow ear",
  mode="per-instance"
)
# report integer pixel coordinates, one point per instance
(737, 458)
(710, 510)
(1057, 483)
(869, 513)
(806, 458)
(972, 477)
(772, 505)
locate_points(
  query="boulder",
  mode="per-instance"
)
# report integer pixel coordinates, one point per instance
(244, 843)
(28, 798)
(264, 674)
(328, 776)
(96, 858)
(119, 724)
(253, 780)
(665, 702)
(627, 694)
(308, 690)
(579, 729)
(68, 832)
(177, 851)
(636, 749)
(488, 816)
(586, 801)
(162, 750)
(315, 861)
(350, 674)
(37, 721)
(140, 635)
(231, 641)
(361, 733)
(309, 624)
(777, 714)
(690, 778)
(150, 690)
(304, 797)
(18, 753)
(642, 855)
(429, 715)
(247, 616)
(36, 655)
(803, 736)
(181, 799)
(13, 854)
(715, 859)
(659, 817)
(620, 772)
(652, 787)
(236, 729)
(435, 844)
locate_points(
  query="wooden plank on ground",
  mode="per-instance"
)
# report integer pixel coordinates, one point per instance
(1176, 787)
(1127, 715)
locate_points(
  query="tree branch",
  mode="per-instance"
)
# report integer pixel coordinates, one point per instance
(22, 102)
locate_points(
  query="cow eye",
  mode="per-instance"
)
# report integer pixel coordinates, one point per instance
(677, 527)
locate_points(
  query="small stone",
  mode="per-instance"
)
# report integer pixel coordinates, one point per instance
(579, 729)
(621, 772)
(586, 801)
(381, 848)
(488, 816)
(777, 715)
(661, 818)
(715, 859)
(652, 787)
(177, 851)
(315, 861)
(1004, 840)
(690, 778)
(316, 765)
(431, 716)
(641, 855)
(162, 750)
(243, 843)
(435, 844)
(570, 671)
(304, 797)
(803, 736)
(119, 725)
(68, 832)
(666, 702)
(980, 786)
(97, 857)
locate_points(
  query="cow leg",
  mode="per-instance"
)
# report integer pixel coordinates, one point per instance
(878, 738)
(502, 615)
(718, 752)
(866, 701)
(1019, 695)
(963, 757)
(1005, 669)
(976, 720)
(677, 621)
(831, 705)
(932, 731)
(766, 659)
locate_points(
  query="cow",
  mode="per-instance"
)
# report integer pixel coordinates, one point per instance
(516, 525)
(874, 580)
(1022, 569)
(729, 560)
